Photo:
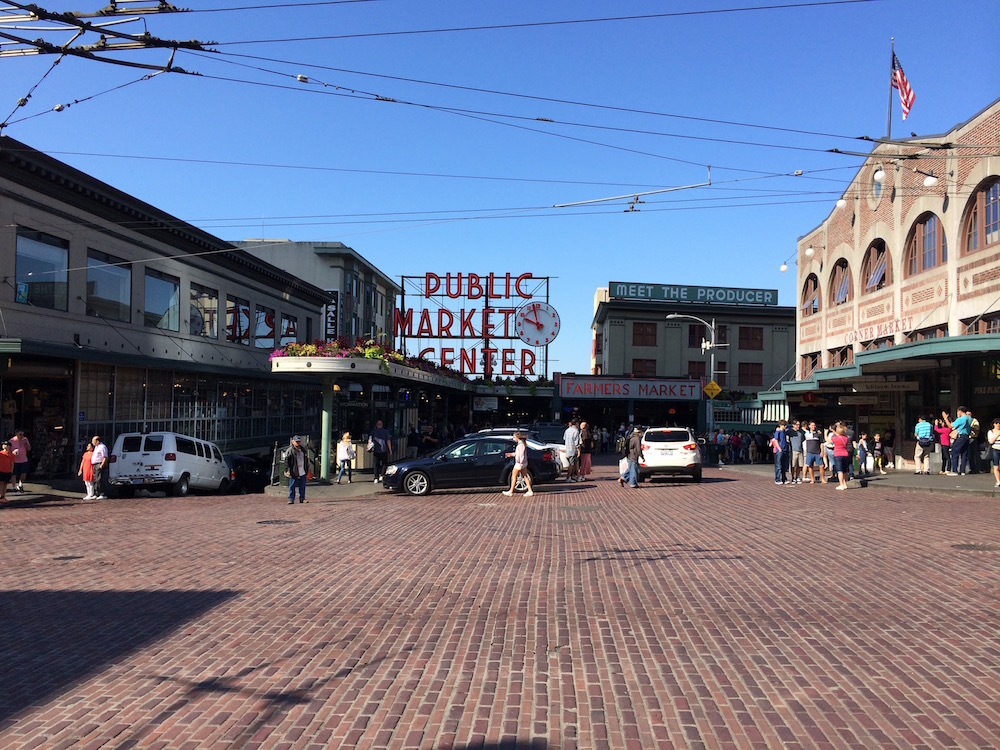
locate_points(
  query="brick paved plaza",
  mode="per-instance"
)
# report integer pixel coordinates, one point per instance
(730, 614)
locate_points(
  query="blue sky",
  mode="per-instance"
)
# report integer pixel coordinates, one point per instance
(461, 170)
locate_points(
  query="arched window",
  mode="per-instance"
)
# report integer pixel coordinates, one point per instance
(841, 284)
(810, 296)
(982, 219)
(926, 247)
(876, 273)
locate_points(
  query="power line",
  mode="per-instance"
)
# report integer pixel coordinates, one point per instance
(569, 22)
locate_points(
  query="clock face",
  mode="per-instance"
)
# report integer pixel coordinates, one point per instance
(537, 323)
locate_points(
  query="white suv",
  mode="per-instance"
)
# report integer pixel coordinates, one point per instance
(670, 450)
(166, 461)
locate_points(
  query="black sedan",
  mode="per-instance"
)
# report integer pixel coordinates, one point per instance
(245, 474)
(471, 462)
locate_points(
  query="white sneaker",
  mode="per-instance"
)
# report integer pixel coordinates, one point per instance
(376, 481)
(507, 493)
(529, 493)
(101, 497)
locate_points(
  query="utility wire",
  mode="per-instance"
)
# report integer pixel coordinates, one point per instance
(569, 22)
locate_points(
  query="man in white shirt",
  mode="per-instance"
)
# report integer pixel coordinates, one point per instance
(571, 444)
(98, 460)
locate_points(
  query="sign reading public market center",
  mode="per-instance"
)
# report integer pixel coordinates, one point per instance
(706, 294)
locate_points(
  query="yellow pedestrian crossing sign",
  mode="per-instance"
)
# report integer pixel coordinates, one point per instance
(712, 389)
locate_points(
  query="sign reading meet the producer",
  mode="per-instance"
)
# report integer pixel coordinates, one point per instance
(705, 294)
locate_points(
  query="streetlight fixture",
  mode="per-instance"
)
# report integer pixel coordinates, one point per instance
(710, 345)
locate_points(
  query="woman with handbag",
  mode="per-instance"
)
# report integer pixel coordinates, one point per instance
(345, 455)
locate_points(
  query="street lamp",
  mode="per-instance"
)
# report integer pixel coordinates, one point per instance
(709, 407)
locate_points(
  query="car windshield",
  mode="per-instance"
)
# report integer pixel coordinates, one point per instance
(667, 436)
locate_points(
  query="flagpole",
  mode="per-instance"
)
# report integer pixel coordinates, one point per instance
(892, 54)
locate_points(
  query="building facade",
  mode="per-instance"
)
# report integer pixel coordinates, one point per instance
(116, 317)
(898, 309)
(666, 332)
(362, 299)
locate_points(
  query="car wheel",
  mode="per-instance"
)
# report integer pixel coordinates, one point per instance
(417, 483)
(522, 486)
(181, 486)
(224, 486)
(697, 475)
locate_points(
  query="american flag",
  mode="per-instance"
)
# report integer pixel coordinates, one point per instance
(906, 95)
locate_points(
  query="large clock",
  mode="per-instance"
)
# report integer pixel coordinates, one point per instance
(537, 323)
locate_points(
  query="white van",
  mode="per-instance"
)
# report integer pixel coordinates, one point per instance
(166, 461)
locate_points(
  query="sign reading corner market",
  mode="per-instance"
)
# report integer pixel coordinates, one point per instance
(596, 386)
(706, 294)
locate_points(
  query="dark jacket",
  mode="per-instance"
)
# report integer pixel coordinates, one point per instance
(292, 464)
(635, 447)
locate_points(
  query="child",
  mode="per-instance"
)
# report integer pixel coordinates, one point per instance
(86, 472)
(6, 468)
(877, 452)
(863, 454)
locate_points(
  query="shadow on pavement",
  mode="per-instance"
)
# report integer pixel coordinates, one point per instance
(51, 639)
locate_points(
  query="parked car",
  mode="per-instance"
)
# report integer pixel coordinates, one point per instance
(479, 461)
(165, 461)
(670, 451)
(534, 441)
(246, 474)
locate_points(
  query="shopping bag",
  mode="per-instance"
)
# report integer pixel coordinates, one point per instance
(623, 466)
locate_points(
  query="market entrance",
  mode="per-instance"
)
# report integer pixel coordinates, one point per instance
(39, 404)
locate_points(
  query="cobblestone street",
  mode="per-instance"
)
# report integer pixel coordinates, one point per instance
(728, 614)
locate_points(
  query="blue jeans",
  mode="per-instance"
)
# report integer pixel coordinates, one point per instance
(632, 475)
(781, 461)
(960, 454)
(345, 465)
(294, 482)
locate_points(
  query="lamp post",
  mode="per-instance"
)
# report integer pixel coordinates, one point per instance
(709, 407)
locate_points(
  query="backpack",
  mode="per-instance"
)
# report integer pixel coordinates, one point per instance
(622, 447)
(974, 429)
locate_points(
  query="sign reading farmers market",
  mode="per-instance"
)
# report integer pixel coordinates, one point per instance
(706, 294)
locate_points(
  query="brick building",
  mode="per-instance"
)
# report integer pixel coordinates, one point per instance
(898, 308)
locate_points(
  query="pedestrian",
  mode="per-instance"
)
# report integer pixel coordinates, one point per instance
(586, 449)
(604, 441)
(752, 450)
(925, 444)
(412, 441)
(797, 457)
(942, 427)
(877, 453)
(381, 442)
(975, 437)
(296, 469)
(429, 442)
(841, 454)
(813, 453)
(6, 468)
(782, 452)
(828, 451)
(571, 444)
(86, 471)
(345, 456)
(98, 460)
(960, 428)
(634, 457)
(993, 439)
(889, 447)
(520, 456)
(20, 446)
(864, 450)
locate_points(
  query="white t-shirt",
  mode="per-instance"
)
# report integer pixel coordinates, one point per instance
(99, 454)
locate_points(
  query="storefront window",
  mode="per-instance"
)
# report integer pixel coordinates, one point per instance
(204, 311)
(41, 270)
(163, 308)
